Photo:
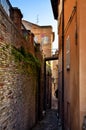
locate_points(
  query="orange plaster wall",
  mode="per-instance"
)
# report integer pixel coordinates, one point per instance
(71, 77)
(68, 7)
(82, 58)
(71, 92)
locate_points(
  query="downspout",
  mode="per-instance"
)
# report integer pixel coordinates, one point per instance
(44, 104)
(62, 64)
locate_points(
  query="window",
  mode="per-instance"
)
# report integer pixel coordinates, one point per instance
(45, 40)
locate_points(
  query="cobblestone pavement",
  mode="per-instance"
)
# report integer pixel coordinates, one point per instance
(50, 122)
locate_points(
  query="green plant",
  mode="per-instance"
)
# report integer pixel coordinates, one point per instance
(28, 62)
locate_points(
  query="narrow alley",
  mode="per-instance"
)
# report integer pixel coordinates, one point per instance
(42, 65)
(50, 119)
(28, 77)
(49, 122)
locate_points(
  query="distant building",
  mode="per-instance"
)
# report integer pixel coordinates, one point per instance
(42, 35)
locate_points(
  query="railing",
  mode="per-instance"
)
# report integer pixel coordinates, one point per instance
(6, 5)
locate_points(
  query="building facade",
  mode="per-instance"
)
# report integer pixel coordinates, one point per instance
(42, 35)
(71, 18)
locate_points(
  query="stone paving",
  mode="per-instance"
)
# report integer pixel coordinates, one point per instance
(50, 121)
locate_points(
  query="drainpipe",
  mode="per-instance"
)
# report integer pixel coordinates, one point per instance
(44, 85)
(62, 64)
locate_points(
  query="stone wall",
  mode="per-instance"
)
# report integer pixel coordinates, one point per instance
(10, 34)
(17, 86)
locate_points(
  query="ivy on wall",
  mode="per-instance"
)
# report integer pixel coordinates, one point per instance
(28, 62)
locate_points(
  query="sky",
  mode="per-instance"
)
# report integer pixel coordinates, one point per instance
(38, 12)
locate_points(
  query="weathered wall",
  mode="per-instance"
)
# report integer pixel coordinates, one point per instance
(77, 31)
(82, 58)
(71, 82)
(71, 69)
(17, 93)
(10, 34)
(60, 103)
(71, 72)
(68, 7)
(17, 86)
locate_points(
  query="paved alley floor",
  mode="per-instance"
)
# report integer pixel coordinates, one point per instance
(50, 121)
